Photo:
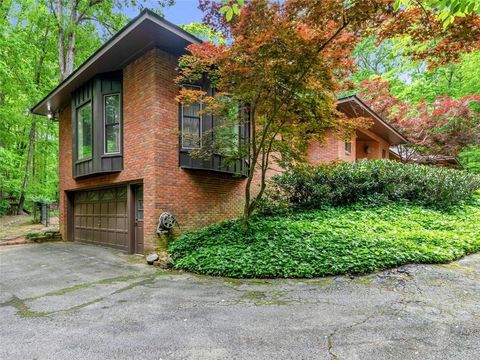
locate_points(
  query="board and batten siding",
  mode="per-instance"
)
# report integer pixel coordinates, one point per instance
(94, 91)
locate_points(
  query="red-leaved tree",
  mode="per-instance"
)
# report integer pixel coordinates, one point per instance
(445, 127)
(279, 72)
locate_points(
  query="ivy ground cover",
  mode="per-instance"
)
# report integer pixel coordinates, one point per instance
(330, 241)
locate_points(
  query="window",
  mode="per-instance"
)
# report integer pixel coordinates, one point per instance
(97, 126)
(191, 124)
(348, 147)
(384, 154)
(139, 206)
(84, 131)
(111, 105)
(227, 130)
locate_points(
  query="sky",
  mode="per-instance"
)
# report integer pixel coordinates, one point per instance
(183, 12)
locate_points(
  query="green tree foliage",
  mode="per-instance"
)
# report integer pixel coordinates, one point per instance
(446, 10)
(205, 32)
(414, 85)
(411, 80)
(27, 71)
(30, 58)
(470, 159)
(71, 18)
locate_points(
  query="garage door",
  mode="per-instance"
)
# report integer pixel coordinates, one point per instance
(100, 217)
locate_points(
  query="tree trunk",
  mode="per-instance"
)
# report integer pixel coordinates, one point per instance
(33, 125)
(246, 208)
(70, 55)
(66, 39)
(21, 201)
(61, 54)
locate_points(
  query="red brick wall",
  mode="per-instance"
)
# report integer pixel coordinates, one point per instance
(376, 145)
(331, 149)
(150, 153)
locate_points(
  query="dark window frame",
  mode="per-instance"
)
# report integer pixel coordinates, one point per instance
(105, 125)
(96, 91)
(200, 121)
(77, 110)
(237, 127)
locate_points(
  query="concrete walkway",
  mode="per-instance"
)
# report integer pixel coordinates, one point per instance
(73, 301)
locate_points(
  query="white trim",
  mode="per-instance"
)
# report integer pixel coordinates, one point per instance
(105, 125)
(347, 152)
(200, 125)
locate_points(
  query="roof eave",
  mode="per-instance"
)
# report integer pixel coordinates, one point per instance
(43, 108)
(383, 122)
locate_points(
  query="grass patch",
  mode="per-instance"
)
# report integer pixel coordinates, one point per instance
(331, 241)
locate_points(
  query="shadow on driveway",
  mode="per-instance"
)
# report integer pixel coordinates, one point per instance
(75, 301)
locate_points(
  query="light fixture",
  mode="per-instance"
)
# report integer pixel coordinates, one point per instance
(51, 116)
(368, 150)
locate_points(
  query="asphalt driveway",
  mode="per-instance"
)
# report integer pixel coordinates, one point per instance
(73, 301)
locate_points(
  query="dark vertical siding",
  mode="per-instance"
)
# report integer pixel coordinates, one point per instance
(215, 162)
(94, 90)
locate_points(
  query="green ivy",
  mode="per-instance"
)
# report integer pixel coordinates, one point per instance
(332, 240)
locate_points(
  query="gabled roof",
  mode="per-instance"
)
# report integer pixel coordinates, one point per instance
(144, 32)
(149, 30)
(353, 106)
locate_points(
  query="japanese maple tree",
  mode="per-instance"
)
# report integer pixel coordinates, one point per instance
(446, 126)
(279, 73)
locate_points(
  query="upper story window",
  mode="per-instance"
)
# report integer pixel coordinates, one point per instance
(191, 123)
(348, 148)
(227, 130)
(111, 104)
(84, 131)
(97, 126)
(219, 136)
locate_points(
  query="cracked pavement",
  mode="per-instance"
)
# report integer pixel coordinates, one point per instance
(75, 301)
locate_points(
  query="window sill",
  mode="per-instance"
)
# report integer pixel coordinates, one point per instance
(92, 174)
(83, 160)
(111, 155)
(234, 174)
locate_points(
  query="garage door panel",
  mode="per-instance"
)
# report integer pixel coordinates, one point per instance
(122, 193)
(87, 221)
(112, 223)
(122, 207)
(122, 223)
(100, 216)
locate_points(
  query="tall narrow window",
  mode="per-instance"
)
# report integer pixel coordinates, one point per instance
(84, 131)
(348, 148)
(191, 124)
(227, 131)
(384, 154)
(112, 123)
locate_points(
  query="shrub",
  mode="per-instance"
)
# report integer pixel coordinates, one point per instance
(334, 240)
(470, 159)
(374, 180)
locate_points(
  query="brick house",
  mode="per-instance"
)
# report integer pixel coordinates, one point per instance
(372, 143)
(124, 154)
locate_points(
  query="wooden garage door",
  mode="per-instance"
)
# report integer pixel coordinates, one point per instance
(100, 217)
